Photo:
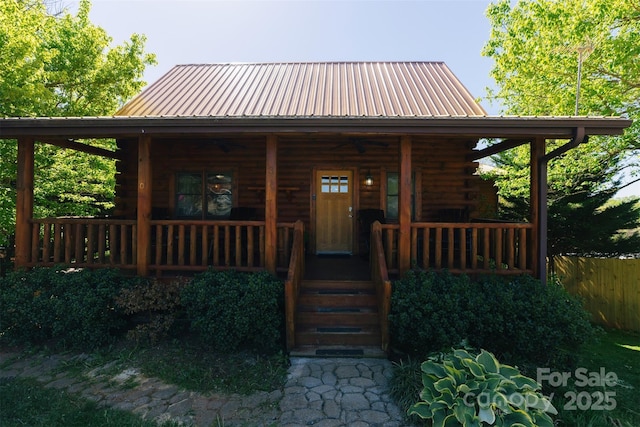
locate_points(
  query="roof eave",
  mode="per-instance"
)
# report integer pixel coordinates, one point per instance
(481, 126)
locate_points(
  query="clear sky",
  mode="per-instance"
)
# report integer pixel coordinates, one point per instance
(209, 31)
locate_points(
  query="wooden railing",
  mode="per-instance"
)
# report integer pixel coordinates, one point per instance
(83, 242)
(473, 247)
(176, 245)
(292, 283)
(196, 245)
(380, 277)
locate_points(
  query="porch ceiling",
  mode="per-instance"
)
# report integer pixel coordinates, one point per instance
(470, 127)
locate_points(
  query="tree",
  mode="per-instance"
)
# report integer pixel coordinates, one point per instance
(551, 58)
(59, 64)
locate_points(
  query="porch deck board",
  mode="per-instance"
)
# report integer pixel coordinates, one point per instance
(336, 267)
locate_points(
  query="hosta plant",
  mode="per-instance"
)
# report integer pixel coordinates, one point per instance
(463, 389)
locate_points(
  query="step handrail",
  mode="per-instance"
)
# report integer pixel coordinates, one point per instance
(380, 277)
(292, 282)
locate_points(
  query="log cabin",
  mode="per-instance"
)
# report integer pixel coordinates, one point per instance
(271, 166)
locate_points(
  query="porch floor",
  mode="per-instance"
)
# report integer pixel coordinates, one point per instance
(336, 267)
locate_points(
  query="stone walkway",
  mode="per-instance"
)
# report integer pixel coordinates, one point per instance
(318, 392)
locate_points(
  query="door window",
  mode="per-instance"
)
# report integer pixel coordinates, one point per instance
(334, 184)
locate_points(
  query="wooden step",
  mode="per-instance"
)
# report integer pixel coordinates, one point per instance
(337, 284)
(353, 351)
(337, 336)
(312, 300)
(340, 314)
(337, 318)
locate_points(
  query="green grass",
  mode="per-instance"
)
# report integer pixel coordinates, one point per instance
(24, 402)
(190, 366)
(618, 353)
(194, 368)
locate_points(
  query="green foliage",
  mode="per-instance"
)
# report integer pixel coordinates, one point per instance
(516, 318)
(153, 306)
(535, 45)
(429, 311)
(67, 309)
(405, 385)
(62, 65)
(463, 389)
(26, 402)
(193, 366)
(231, 310)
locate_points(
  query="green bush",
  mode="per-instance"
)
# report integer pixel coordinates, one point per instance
(527, 323)
(516, 318)
(465, 389)
(63, 308)
(429, 312)
(231, 310)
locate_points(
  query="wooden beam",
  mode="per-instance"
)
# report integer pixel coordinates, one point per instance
(77, 146)
(505, 145)
(270, 204)
(24, 200)
(538, 197)
(143, 255)
(404, 206)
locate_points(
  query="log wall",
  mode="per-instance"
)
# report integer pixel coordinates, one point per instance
(448, 180)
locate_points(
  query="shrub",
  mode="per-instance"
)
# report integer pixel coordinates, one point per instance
(152, 307)
(429, 311)
(230, 310)
(470, 390)
(529, 324)
(515, 318)
(67, 308)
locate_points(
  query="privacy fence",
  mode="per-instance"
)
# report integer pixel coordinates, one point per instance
(609, 287)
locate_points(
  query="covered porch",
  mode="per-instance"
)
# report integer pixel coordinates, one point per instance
(281, 170)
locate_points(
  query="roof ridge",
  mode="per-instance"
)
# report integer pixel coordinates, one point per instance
(305, 62)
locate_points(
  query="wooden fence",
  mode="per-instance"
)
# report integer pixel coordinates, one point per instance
(609, 287)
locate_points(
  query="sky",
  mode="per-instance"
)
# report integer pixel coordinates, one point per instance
(213, 31)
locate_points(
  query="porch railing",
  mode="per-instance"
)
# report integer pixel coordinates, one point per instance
(84, 242)
(194, 245)
(176, 245)
(474, 247)
(292, 282)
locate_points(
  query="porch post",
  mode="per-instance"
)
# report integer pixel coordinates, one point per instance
(270, 204)
(143, 255)
(24, 200)
(404, 206)
(538, 197)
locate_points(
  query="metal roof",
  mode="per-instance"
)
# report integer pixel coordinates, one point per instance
(306, 89)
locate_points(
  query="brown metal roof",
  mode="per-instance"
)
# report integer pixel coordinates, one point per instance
(308, 89)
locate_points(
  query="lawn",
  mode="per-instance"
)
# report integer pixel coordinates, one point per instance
(605, 391)
(24, 402)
